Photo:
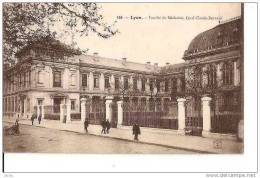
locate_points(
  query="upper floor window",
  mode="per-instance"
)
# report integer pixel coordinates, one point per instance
(211, 76)
(57, 79)
(174, 85)
(116, 83)
(135, 83)
(24, 79)
(151, 84)
(84, 80)
(228, 70)
(107, 84)
(126, 83)
(166, 86)
(158, 85)
(96, 81)
(143, 84)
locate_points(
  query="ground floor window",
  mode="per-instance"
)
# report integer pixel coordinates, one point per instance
(73, 104)
(56, 105)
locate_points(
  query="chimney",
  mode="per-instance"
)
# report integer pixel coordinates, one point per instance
(148, 63)
(156, 64)
(95, 53)
(124, 59)
(167, 63)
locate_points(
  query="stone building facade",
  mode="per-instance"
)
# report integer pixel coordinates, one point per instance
(39, 80)
(212, 70)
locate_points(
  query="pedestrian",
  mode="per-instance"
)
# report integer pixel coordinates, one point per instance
(103, 124)
(107, 126)
(16, 124)
(136, 131)
(86, 125)
(39, 118)
(33, 117)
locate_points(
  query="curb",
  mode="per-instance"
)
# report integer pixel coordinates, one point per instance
(128, 140)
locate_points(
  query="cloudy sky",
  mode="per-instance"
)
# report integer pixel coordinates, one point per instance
(155, 37)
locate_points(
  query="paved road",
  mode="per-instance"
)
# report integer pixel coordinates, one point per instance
(43, 140)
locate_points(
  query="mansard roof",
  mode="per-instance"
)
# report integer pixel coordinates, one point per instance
(223, 35)
(92, 60)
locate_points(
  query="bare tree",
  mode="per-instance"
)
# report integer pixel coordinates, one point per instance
(23, 22)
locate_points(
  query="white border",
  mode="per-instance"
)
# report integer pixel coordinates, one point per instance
(169, 163)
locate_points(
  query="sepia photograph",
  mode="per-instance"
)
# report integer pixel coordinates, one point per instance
(123, 78)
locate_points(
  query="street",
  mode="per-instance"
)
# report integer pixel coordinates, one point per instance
(34, 139)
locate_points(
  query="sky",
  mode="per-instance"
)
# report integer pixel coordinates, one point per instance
(155, 37)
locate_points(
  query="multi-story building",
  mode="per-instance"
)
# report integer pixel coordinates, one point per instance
(44, 77)
(40, 78)
(213, 64)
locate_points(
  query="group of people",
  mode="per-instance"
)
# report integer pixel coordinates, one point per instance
(104, 123)
(105, 126)
(34, 116)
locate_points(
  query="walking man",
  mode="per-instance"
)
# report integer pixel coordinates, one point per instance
(40, 118)
(107, 126)
(33, 117)
(86, 125)
(136, 131)
(103, 124)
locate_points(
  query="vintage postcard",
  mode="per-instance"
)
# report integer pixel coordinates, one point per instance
(123, 78)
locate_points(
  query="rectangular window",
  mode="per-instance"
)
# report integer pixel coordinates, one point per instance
(158, 85)
(29, 79)
(116, 83)
(107, 84)
(73, 104)
(39, 101)
(143, 84)
(228, 70)
(135, 83)
(126, 83)
(174, 85)
(57, 79)
(166, 86)
(151, 85)
(24, 79)
(84, 80)
(96, 81)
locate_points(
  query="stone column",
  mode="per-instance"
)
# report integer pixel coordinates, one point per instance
(68, 118)
(38, 110)
(120, 113)
(102, 82)
(181, 115)
(139, 84)
(219, 74)
(112, 82)
(109, 108)
(91, 81)
(83, 109)
(147, 86)
(206, 116)
(236, 74)
(42, 111)
(131, 82)
(61, 113)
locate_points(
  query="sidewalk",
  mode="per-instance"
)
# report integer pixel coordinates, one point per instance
(162, 137)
